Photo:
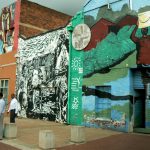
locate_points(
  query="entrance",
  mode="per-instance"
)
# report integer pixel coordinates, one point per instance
(139, 109)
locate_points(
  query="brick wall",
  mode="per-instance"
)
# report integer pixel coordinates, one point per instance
(35, 19)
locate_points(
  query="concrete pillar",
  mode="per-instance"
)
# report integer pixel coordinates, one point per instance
(77, 134)
(46, 139)
(10, 130)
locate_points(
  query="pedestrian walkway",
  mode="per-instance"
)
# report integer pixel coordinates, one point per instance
(125, 141)
(28, 133)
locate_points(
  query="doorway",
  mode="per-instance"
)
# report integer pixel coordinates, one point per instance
(139, 109)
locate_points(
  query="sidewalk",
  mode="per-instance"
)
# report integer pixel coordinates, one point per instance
(28, 133)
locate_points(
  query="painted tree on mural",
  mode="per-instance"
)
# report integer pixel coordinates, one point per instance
(42, 76)
(111, 50)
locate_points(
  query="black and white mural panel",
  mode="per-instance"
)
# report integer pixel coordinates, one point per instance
(42, 76)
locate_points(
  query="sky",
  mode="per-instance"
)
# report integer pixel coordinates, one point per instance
(69, 7)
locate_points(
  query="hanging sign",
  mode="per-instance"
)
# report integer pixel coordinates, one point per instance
(81, 36)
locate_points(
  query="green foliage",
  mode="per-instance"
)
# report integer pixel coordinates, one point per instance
(118, 71)
(109, 51)
(124, 108)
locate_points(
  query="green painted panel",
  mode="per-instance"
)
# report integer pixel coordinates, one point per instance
(111, 50)
(75, 77)
(115, 73)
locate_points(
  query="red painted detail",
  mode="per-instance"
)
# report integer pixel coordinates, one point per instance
(143, 47)
(127, 20)
(98, 32)
(16, 25)
(101, 29)
(144, 51)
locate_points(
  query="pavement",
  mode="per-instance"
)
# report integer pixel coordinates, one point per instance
(28, 133)
(96, 138)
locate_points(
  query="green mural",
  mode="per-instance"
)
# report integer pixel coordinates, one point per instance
(75, 77)
(115, 73)
(111, 50)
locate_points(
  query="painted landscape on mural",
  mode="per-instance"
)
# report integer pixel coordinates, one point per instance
(100, 109)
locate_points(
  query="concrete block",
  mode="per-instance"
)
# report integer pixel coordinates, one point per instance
(77, 134)
(10, 130)
(130, 129)
(46, 139)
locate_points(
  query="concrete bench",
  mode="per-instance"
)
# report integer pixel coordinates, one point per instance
(10, 130)
(46, 139)
(77, 134)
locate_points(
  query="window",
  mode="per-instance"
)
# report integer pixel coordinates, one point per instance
(4, 88)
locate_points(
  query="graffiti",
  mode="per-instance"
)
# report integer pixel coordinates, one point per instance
(43, 73)
(107, 123)
(75, 84)
(75, 103)
(7, 30)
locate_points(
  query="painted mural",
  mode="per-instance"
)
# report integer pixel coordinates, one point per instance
(7, 29)
(42, 76)
(117, 46)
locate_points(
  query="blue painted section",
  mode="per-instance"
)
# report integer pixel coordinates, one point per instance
(121, 86)
(119, 103)
(88, 103)
(118, 6)
(102, 104)
(140, 3)
(99, 3)
(147, 124)
(92, 13)
(1, 47)
(94, 5)
(104, 112)
(137, 80)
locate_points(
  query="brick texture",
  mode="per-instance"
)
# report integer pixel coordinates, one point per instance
(41, 17)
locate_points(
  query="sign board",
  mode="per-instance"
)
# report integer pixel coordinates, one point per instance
(81, 36)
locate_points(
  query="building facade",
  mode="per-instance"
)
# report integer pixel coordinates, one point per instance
(109, 78)
(22, 19)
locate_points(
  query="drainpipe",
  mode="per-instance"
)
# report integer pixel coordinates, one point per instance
(130, 4)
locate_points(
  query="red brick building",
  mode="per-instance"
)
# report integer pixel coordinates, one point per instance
(26, 19)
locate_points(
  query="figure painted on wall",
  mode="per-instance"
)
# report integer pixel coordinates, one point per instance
(143, 45)
(22, 98)
(7, 30)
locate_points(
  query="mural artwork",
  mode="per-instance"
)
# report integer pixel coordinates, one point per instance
(117, 45)
(42, 76)
(7, 29)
